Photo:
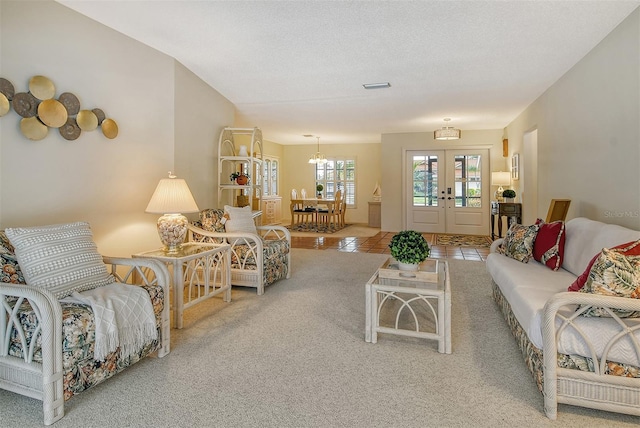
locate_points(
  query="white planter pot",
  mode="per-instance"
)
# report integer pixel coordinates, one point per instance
(408, 267)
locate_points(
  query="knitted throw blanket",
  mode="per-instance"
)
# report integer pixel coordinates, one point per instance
(123, 316)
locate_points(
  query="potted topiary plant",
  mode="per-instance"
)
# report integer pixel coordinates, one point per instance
(509, 195)
(319, 189)
(409, 248)
(240, 177)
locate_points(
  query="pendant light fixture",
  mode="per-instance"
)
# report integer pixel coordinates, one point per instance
(447, 132)
(318, 158)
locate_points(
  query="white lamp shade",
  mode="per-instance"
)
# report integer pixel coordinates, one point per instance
(172, 196)
(500, 178)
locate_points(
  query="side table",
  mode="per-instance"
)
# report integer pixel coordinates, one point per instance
(200, 271)
(410, 307)
(511, 210)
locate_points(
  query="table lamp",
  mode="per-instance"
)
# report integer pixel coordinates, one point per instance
(171, 198)
(500, 178)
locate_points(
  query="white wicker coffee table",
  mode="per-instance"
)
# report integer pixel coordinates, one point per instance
(410, 306)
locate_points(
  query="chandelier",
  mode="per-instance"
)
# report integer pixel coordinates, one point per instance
(447, 132)
(318, 158)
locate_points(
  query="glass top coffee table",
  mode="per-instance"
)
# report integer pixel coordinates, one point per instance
(406, 304)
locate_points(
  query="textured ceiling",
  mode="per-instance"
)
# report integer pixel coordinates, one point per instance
(297, 67)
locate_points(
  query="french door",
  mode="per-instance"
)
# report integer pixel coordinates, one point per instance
(447, 191)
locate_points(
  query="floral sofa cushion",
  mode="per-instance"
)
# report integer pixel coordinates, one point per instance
(11, 272)
(81, 371)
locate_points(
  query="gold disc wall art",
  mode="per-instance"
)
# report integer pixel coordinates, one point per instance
(41, 111)
(110, 128)
(41, 87)
(52, 113)
(4, 104)
(87, 120)
(33, 129)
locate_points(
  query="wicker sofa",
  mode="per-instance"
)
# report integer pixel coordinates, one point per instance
(258, 258)
(584, 361)
(47, 346)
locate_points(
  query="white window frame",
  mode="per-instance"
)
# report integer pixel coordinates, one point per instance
(347, 182)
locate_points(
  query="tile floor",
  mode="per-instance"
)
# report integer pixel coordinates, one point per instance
(380, 244)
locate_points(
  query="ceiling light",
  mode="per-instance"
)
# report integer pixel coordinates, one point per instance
(447, 132)
(377, 85)
(318, 158)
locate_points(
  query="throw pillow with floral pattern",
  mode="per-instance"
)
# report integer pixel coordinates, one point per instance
(518, 242)
(613, 274)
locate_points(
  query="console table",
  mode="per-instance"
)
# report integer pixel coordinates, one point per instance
(511, 210)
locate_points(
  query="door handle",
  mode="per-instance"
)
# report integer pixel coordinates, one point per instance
(449, 198)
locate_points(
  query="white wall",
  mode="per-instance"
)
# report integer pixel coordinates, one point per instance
(391, 164)
(588, 126)
(164, 114)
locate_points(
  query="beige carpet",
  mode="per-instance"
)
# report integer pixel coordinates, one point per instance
(296, 357)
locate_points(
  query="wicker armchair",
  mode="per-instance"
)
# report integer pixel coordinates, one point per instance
(257, 260)
(46, 346)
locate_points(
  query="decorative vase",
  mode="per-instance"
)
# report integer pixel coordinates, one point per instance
(243, 151)
(242, 200)
(408, 267)
(242, 180)
(319, 195)
(509, 200)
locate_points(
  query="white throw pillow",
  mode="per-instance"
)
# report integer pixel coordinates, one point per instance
(240, 219)
(61, 258)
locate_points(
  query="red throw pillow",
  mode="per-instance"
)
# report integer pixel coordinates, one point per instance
(548, 248)
(627, 249)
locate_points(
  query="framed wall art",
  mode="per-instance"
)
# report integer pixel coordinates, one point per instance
(515, 167)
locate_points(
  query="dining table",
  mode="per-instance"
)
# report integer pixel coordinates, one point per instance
(315, 206)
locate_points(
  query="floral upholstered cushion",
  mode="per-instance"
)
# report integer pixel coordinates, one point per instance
(211, 220)
(518, 243)
(61, 258)
(11, 272)
(614, 274)
(81, 371)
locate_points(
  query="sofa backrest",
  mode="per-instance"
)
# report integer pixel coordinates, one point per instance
(585, 238)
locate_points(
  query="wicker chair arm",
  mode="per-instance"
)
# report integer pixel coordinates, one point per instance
(552, 331)
(227, 236)
(138, 271)
(235, 240)
(275, 232)
(49, 328)
(49, 319)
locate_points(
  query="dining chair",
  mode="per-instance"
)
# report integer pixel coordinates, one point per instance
(331, 215)
(343, 211)
(299, 214)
